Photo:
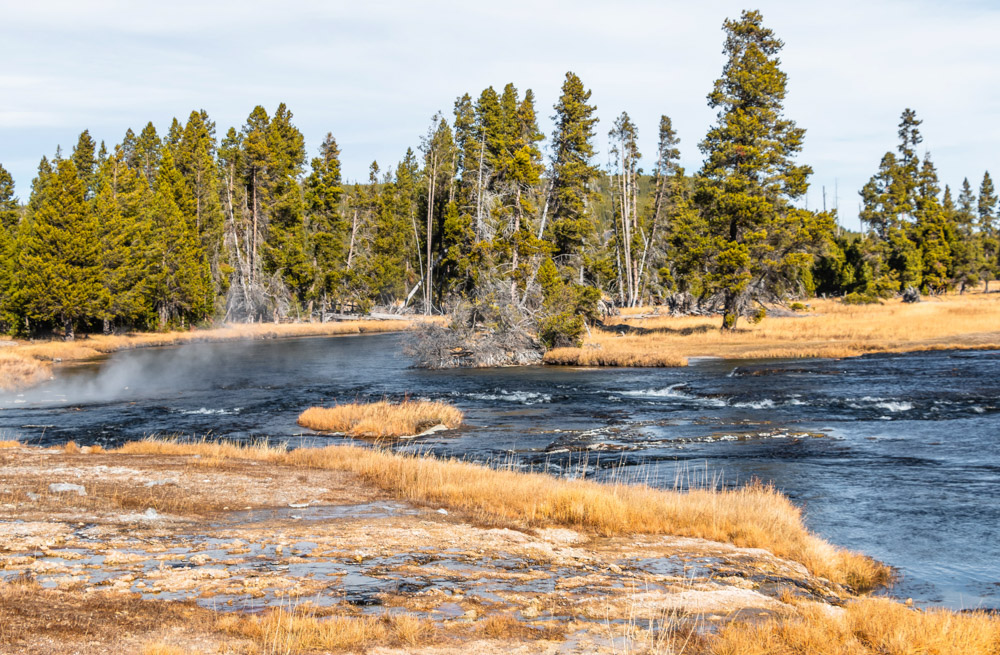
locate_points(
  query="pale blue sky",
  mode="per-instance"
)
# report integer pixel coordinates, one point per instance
(374, 73)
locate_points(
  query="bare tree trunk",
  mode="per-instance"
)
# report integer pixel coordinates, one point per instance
(545, 211)
(354, 231)
(648, 242)
(428, 295)
(479, 191)
(514, 241)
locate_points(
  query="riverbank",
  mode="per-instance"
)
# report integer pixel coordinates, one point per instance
(24, 364)
(826, 328)
(205, 547)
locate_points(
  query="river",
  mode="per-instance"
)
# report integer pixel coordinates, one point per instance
(897, 456)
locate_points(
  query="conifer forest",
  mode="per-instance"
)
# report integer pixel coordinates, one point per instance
(195, 224)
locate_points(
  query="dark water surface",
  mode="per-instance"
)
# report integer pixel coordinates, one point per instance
(897, 456)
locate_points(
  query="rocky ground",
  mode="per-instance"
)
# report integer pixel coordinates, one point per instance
(107, 552)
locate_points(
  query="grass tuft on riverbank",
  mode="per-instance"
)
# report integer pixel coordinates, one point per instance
(18, 371)
(282, 631)
(755, 516)
(382, 418)
(869, 626)
(640, 337)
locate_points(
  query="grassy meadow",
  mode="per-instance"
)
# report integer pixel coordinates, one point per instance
(827, 328)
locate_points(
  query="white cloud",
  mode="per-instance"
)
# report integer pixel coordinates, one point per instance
(374, 73)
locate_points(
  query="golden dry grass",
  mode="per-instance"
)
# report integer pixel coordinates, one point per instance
(159, 648)
(283, 631)
(382, 418)
(831, 329)
(870, 626)
(18, 371)
(75, 620)
(755, 516)
(9, 443)
(27, 364)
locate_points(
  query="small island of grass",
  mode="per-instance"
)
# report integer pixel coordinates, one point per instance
(382, 418)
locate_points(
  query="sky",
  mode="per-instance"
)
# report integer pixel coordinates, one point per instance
(374, 73)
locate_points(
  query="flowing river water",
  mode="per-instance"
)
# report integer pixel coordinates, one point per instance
(897, 456)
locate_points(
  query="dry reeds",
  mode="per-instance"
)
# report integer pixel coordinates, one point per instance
(833, 329)
(870, 626)
(382, 418)
(283, 631)
(756, 516)
(600, 357)
(9, 443)
(159, 648)
(19, 372)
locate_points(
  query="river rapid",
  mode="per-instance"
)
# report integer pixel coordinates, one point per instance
(897, 456)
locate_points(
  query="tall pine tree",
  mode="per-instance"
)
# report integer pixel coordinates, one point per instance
(59, 256)
(750, 179)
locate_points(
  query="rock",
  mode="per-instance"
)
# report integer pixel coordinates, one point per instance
(66, 487)
(443, 511)
(431, 430)
(162, 481)
(32, 495)
(149, 515)
(911, 294)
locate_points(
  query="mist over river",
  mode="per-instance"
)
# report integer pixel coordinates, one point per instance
(897, 456)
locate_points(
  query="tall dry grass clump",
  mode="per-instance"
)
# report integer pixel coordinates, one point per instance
(382, 418)
(20, 372)
(869, 626)
(756, 516)
(283, 631)
(831, 329)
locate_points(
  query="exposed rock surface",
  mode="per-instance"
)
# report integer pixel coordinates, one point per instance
(242, 536)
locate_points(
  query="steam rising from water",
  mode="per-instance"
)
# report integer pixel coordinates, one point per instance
(127, 375)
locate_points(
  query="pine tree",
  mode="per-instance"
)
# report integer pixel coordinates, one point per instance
(389, 207)
(85, 160)
(572, 170)
(178, 274)
(438, 147)
(59, 255)
(749, 178)
(285, 252)
(145, 153)
(9, 219)
(196, 163)
(967, 251)
(9, 206)
(989, 228)
(664, 205)
(935, 233)
(889, 205)
(121, 207)
(324, 193)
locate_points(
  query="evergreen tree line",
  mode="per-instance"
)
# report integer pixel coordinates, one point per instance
(913, 234)
(168, 231)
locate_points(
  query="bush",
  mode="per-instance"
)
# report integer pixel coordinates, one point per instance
(563, 330)
(860, 299)
(798, 307)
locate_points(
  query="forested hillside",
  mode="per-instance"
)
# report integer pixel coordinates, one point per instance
(179, 227)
